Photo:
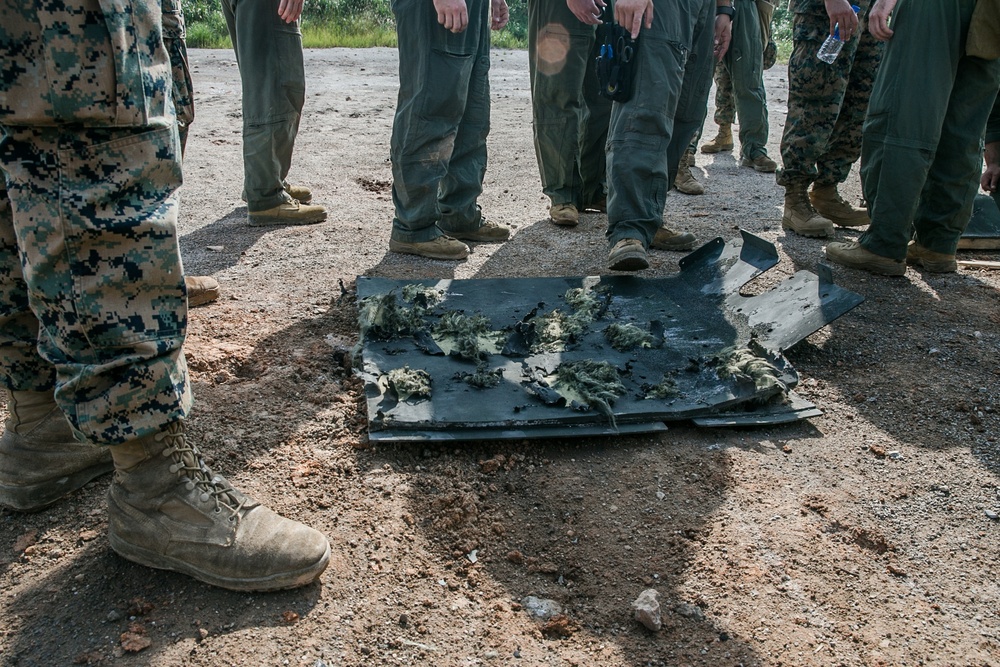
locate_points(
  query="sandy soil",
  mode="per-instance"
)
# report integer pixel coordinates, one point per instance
(867, 536)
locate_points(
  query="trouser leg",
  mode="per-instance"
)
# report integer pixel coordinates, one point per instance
(183, 88)
(844, 146)
(269, 53)
(21, 366)
(559, 51)
(435, 71)
(103, 273)
(725, 104)
(815, 95)
(594, 140)
(901, 141)
(462, 183)
(651, 131)
(745, 62)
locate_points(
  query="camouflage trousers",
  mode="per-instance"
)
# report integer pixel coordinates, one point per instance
(826, 103)
(92, 300)
(182, 90)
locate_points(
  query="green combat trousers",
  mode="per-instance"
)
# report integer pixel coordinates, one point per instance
(570, 119)
(922, 148)
(826, 103)
(651, 131)
(438, 145)
(743, 66)
(269, 54)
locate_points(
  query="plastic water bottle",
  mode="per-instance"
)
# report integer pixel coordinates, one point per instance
(832, 45)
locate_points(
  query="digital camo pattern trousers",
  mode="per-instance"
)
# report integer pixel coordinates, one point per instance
(182, 90)
(826, 103)
(91, 286)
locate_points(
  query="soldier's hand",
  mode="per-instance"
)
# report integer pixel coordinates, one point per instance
(587, 11)
(723, 36)
(878, 19)
(452, 14)
(290, 10)
(841, 12)
(633, 14)
(500, 14)
(991, 177)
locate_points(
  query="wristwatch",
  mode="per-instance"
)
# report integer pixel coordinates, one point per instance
(725, 9)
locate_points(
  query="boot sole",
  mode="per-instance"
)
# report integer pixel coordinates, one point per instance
(207, 296)
(274, 582)
(932, 266)
(632, 261)
(429, 255)
(564, 223)
(786, 224)
(39, 496)
(285, 222)
(720, 149)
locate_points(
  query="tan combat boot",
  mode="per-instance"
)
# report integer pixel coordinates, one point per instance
(287, 213)
(564, 215)
(668, 239)
(300, 193)
(168, 510)
(828, 203)
(201, 290)
(935, 262)
(685, 181)
(800, 217)
(856, 256)
(723, 140)
(40, 458)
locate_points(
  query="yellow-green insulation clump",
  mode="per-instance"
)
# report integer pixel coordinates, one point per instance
(744, 365)
(467, 336)
(422, 295)
(410, 383)
(596, 382)
(554, 329)
(627, 336)
(666, 389)
(383, 317)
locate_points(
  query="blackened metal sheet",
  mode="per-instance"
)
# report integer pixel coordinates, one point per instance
(533, 432)
(794, 408)
(983, 230)
(692, 317)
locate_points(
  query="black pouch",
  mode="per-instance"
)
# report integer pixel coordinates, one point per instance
(615, 58)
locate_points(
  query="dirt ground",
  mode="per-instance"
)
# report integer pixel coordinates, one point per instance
(867, 536)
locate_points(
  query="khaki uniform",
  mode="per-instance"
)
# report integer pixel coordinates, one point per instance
(91, 160)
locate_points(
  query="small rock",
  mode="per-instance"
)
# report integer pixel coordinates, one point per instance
(114, 616)
(992, 516)
(895, 455)
(541, 608)
(202, 634)
(646, 609)
(691, 611)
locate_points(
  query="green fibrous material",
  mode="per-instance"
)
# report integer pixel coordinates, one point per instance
(627, 336)
(744, 365)
(422, 295)
(381, 316)
(554, 329)
(483, 378)
(410, 383)
(596, 382)
(666, 389)
(466, 336)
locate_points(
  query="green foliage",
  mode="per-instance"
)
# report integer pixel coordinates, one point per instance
(363, 23)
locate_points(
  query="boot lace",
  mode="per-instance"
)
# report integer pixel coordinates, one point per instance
(188, 464)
